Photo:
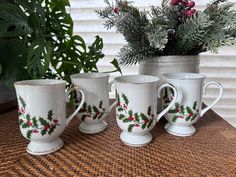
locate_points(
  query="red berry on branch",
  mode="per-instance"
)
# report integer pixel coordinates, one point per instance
(177, 110)
(55, 121)
(35, 131)
(191, 12)
(174, 2)
(131, 118)
(116, 10)
(136, 125)
(191, 4)
(146, 122)
(118, 104)
(181, 117)
(29, 123)
(190, 115)
(46, 127)
(125, 106)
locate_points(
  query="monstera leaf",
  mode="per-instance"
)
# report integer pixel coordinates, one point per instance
(13, 21)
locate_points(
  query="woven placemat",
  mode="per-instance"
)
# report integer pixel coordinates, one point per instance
(210, 152)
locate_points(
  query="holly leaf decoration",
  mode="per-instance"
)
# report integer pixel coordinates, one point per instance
(100, 104)
(143, 116)
(149, 111)
(195, 105)
(121, 116)
(51, 130)
(90, 109)
(149, 124)
(22, 101)
(28, 117)
(130, 112)
(172, 111)
(126, 120)
(188, 118)
(182, 108)
(20, 121)
(120, 109)
(189, 110)
(35, 122)
(125, 99)
(136, 117)
(130, 127)
(194, 116)
(117, 97)
(50, 114)
(24, 125)
(143, 126)
(29, 133)
(174, 118)
(43, 132)
(42, 121)
(95, 109)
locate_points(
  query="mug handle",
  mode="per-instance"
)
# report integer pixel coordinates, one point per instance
(171, 103)
(80, 105)
(217, 98)
(109, 87)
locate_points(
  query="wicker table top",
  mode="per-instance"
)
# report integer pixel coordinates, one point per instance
(210, 152)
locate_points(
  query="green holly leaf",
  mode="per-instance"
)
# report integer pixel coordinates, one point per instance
(95, 117)
(22, 101)
(126, 120)
(42, 121)
(143, 116)
(24, 125)
(51, 130)
(189, 110)
(28, 117)
(174, 118)
(130, 112)
(177, 105)
(125, 99)
(121, 116)
(29, 133)
(50, 114)
(172, 111)
(35, 122)
(83, 117)
(120, 109)
(149, 111)
(95, 109)
(182, 108)
(187, 118)
(117, 97)
(100, 104)
(149, 124)
(20, 121)
(143, 126)
(90, 109)
(194, 116)
(130, 127)
(136, 117)
(43, 132)
(195, 105)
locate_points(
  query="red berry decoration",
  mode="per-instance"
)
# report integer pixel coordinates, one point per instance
(191, 12)
(131, 118)
(29, 123)
(46, 127)
(35, 131)
(190, 115)
(55, 121)
(125, 106)
(177, 109)
(116, 10)
(174, 2)
(136, 125)
(191, 4)
(118, 104)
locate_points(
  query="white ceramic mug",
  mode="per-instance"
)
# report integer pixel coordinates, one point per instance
(136, 110)
(96, 106)
(188, 108)
(42, 113)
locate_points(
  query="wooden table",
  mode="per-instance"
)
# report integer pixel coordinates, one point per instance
(210, 152)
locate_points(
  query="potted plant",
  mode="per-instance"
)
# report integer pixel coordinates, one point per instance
(37, 41)
(170, 37)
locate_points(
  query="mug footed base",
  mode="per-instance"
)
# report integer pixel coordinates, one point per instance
(179, 131)
(135, 140)
(92, 128)
(42, 148)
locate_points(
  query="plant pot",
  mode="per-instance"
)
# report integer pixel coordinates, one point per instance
(157, 66)
(7, 98)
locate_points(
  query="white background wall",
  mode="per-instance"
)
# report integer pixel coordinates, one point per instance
(220, 67)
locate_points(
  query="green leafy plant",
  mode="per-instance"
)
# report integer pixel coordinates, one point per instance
(174, 28)
(37, 41)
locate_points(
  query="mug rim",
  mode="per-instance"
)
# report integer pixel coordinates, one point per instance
(184, 76)
(40, 82)
(152, 79)
(89, 75)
